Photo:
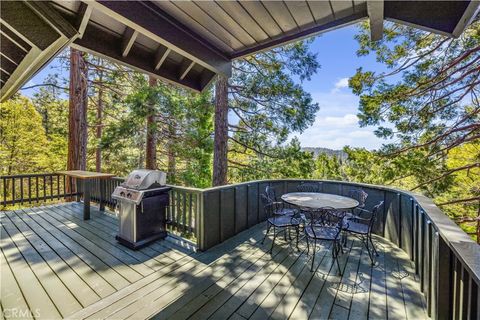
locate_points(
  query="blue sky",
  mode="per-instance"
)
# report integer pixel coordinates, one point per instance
(336, 124)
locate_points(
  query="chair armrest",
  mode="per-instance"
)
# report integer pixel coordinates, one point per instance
(359, 219)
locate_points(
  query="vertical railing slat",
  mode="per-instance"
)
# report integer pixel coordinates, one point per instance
(190, 212)
(21, 190)
(4, 191)
(58, 187)
(29, 189)
(44, 188)
(13, 191)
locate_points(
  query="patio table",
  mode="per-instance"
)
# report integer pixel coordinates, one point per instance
(316, 200)
(87, 177)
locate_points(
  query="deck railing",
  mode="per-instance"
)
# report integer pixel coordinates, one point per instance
(35, 188)
(182, 212)
(446, 259)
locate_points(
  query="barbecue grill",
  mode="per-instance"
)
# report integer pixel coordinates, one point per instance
(142, 201)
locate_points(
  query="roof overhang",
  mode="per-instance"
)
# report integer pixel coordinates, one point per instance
(189, 42)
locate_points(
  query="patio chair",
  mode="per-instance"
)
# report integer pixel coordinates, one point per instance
(309, 187)
(361, 196)
(280, 207)
(324, 225)
(279, 222)
(362, 229)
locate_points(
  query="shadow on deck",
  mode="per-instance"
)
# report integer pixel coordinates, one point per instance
(55, 265)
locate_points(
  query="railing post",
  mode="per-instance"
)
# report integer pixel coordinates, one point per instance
(102, 195)
(443, 281)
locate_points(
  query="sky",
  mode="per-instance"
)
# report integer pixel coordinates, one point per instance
(336, 123)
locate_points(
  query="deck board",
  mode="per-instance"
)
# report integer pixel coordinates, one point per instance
(54, 264)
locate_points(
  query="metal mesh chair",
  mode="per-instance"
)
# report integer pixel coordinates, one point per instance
(324, 224)
(361, 196)
(280, 207)
(362, 228)
(279, 222)
(309, 187)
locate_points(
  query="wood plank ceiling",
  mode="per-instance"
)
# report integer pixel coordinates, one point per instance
(189, 42)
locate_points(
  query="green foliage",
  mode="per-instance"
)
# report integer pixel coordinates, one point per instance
(24, 146)
(427, 103)
(283, 162)
(267, 103)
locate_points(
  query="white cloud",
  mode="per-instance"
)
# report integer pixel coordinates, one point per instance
(345, 121)
(336, 124)
(340, 84)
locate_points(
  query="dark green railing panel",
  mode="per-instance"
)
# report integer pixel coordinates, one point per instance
(37, 188)
(446, 259)
(240, 212)
(227, 214)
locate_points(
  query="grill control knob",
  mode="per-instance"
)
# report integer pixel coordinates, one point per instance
(129, 195)
(122, 194)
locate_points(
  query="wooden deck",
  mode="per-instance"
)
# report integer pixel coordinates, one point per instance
(55, 265)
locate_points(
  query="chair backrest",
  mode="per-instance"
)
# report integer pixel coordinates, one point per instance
(326, 216)
(359, 195)
(268, 206)
(309, 187)
(270, 193)
(373, 218)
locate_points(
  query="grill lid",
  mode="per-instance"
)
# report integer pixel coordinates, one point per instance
(143, 179)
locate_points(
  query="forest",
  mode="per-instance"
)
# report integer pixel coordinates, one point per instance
(425, 106)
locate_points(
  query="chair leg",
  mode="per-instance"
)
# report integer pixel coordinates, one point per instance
(308, 244)
(297, 230)
(367, 245)
(313, 257)
(274, 236)
(373, 246)
(266, 233)
(335, 256)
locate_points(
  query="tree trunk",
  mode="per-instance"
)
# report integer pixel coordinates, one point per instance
(98, 149)
(77, 116)
(220, 151)
(151, 141)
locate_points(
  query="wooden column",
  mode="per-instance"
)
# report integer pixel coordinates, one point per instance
(151, 141)
(220, 151)
(77, 116)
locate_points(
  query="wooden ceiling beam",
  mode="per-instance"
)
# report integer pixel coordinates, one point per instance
(185, 67)
(105, 44)
(27, 25)
(53, 18)
(151, 21)
(470, 13)
(289, 38)
(83, 16)
(128, 40)
(375, 13)
(160, 56)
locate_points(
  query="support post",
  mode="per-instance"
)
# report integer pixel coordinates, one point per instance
(220, 153)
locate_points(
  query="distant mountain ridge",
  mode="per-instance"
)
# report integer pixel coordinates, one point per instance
(318, 150)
